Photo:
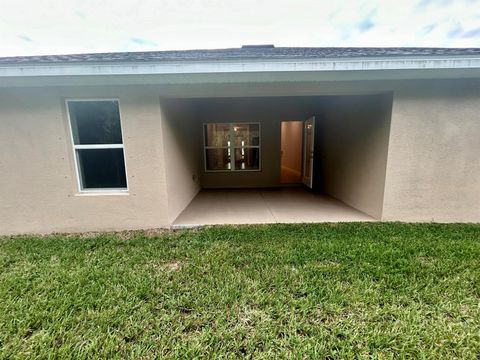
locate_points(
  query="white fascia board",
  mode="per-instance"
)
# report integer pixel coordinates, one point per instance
(238, 66)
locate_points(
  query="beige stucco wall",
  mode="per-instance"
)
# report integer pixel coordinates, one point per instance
(183, 156)
(38, 189)
(433, 169)
(432, 165)
(353, 139)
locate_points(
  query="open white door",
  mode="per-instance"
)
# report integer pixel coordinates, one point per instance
(308, 150)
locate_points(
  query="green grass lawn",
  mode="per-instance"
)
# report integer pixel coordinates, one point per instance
(276, 291)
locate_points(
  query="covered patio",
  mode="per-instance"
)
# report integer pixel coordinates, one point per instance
(264, 206)
(226, 158)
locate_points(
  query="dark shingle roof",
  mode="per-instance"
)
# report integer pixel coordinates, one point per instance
(246, 52)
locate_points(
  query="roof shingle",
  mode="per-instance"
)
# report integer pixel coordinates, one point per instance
(247, 52)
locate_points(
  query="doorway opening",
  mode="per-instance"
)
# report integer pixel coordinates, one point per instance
(291, 152)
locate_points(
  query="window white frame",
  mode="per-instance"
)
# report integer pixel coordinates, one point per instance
(232, 147)
(95, 146)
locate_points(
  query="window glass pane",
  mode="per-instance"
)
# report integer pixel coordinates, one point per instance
(95, 122)
(246, 134)
(218, 159)
(247, 158)
(217, 135)
(102, 168)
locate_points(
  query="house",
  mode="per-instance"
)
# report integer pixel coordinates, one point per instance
(255, 134)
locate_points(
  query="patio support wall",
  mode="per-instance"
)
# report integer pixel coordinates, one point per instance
(352, 138)
(433, 169)
(181, 140)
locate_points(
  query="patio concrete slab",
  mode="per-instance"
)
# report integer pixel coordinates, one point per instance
(264, 206)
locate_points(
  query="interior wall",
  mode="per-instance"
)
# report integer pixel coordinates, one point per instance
(433, 171)
(352, 134)
(181, 141)
(269, 112)
(291, 147)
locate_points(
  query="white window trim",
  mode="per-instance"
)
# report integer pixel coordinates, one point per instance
(99, 191)
(233, 147)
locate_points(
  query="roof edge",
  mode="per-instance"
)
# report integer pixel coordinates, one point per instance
(240, 66)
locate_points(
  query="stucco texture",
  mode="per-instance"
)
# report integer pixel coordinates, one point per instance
(38, 187)
(433, 167)
(422, 163)
(352, 139)
(183, 156)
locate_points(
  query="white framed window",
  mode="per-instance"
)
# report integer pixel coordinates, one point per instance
(232, 147)
(97, 144)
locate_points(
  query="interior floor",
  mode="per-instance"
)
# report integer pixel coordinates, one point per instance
(263, 206)
(289, 176)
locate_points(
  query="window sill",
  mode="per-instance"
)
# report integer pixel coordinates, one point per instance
(103, 193)
(232, 171)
